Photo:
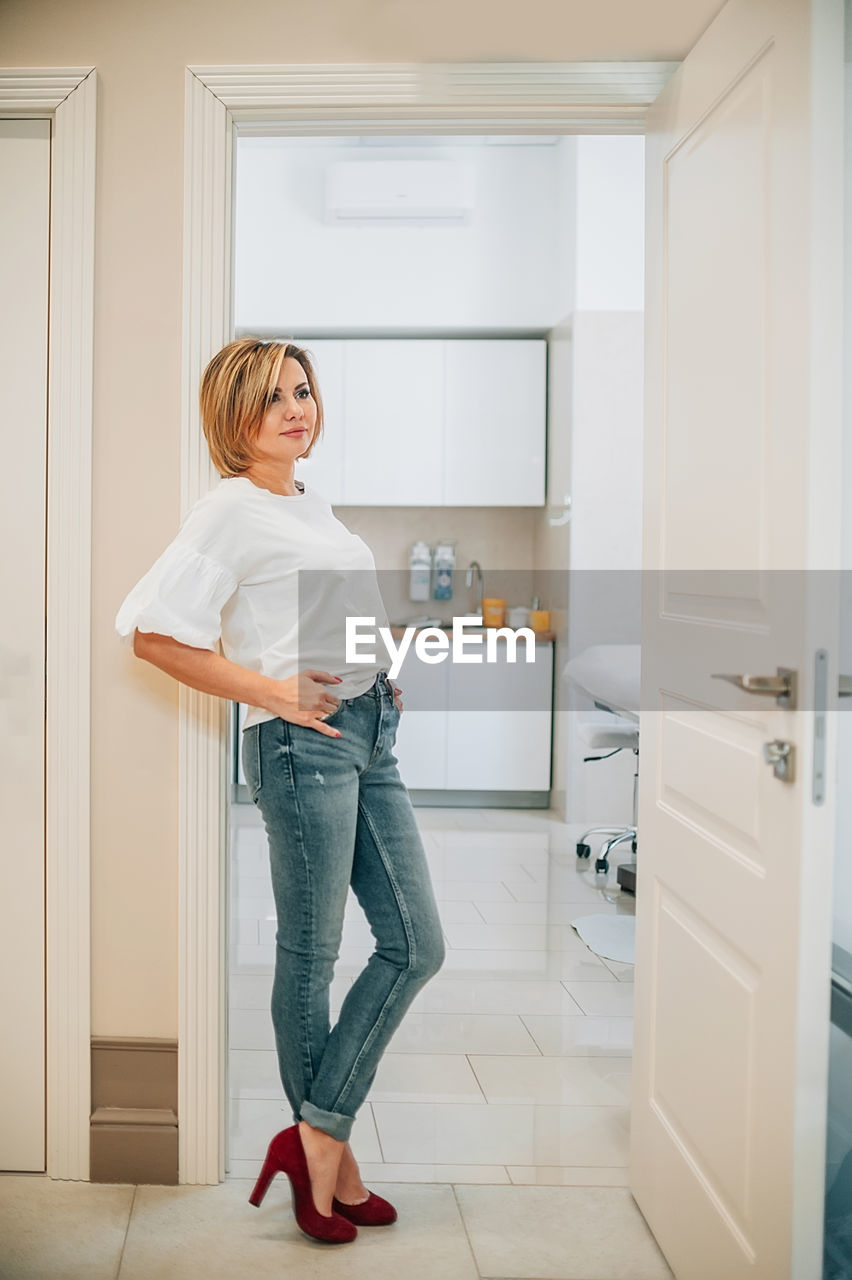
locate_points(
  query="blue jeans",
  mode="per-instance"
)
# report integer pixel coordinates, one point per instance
(337, 813)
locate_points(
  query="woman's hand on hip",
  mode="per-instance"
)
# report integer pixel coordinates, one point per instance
(303, 699)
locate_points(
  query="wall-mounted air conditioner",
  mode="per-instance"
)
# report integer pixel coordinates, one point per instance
(399, 190)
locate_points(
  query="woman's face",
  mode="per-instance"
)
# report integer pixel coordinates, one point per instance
(288, 425)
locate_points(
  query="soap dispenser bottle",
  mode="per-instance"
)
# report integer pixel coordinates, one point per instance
(445, 559)
(420, 571)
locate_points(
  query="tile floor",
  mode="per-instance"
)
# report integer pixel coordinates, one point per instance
(500, 1111)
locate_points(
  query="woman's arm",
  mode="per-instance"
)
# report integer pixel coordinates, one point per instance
(301, 699)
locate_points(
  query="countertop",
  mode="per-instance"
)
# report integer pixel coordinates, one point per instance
(541, 637)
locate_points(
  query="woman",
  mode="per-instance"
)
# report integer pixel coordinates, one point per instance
(263, 565)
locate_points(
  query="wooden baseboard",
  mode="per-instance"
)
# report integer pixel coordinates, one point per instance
(134, 1122)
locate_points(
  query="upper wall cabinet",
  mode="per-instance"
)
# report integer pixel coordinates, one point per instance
(324, 468)
(431, 422)
(494, 423)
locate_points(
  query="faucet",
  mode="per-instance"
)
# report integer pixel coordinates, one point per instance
(468, 581)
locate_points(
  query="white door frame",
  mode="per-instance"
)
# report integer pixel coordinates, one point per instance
(67, 97)
(385, 98)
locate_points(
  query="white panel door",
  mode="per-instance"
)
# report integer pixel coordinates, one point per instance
(741, 511)
(324, 468)
(24, 231)
(495, 423)
(394, 393)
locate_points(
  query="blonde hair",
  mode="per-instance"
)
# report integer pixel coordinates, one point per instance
(236, 391)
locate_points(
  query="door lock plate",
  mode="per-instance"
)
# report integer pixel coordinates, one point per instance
(781, 755)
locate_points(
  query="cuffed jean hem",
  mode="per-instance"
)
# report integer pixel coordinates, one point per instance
(333, 1123)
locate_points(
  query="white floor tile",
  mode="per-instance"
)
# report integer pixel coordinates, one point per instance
(495, 995)
(587, 1233)
(515, 937)
(425, 1077)
(253, 1073)
(544, 912)
(487, 1173)
(244, 933)
(580, 1034)
(255, 1121)
(513, 1134)
(463, 1033)
(456, 912)
(580, 1081)
(243, 908)
(565, 1176)
(471, 891)
(243, 958)
(250, 1029)
(250, 990)
(538, 965)
(72, 1230)
(613, 998)
(183, 1233)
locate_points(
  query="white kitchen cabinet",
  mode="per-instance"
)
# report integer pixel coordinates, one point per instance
(494, 422)
(421, 739)
(499, 723)
(323, 470)
(431, 422)
(488, 726)
(394, 392)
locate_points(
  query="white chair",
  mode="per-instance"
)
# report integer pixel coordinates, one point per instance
(619, 735)
(609, 675)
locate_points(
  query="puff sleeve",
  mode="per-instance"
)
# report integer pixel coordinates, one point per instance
(185, 590)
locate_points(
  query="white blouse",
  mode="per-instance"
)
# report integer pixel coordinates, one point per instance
(273, 578)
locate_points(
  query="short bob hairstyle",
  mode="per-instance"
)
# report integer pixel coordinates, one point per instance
(236, 391)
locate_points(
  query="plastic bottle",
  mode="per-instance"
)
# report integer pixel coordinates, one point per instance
(420, 571)
(445, 559)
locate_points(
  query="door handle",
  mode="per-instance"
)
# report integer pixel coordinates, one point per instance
(782, 687)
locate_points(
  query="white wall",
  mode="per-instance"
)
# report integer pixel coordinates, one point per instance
(606, 380)
(495, 273)
(610, 184)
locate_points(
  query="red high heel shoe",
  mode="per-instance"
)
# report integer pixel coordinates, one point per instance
(287, 1155)
(374, 1212)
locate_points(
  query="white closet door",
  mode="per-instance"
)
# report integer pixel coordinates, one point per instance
(324, 468)
(394, 405)
(24, 239)
(494, 422)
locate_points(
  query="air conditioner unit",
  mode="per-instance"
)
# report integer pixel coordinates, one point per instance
(399, 190)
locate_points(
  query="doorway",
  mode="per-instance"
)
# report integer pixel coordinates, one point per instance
(547, 252)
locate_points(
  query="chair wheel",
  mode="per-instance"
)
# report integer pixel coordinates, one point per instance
(601, 864)
(583, 850)
(633, 845)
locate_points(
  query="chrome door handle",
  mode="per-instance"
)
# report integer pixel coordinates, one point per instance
(782, 686)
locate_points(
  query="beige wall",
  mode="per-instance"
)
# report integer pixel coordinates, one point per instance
(140, 52)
